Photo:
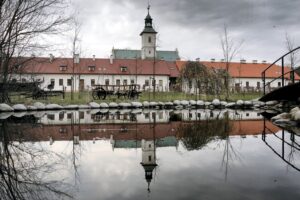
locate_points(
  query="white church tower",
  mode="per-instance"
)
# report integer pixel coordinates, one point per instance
(148, 38)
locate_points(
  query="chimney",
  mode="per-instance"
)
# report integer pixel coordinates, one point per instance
(94, 57)
(76, 58)
(197, 59)
(51, 57)
(212, 60)
(243, 61)
(111, 59)
(264, 61)
(254, 61)
(222, 60)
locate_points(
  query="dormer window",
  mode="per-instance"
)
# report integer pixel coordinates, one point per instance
(92, 68)
(63, 68)
(123, 69)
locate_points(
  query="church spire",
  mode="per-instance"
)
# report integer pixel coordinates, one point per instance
(148, 23)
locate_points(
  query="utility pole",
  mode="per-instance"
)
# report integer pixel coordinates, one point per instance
(154, 80)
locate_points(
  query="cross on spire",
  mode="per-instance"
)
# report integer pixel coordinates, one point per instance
(148, 7)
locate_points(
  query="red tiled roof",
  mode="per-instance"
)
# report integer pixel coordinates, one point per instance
(244, 70)
(102, 66)
(133, 131)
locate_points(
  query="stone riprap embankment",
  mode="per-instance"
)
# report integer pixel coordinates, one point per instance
(176, 104)
(287, 119)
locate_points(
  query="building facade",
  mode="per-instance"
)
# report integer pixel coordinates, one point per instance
(244, 76)
(149, 68)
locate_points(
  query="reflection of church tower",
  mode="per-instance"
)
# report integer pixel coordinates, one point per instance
(148, 38)
(148, 159)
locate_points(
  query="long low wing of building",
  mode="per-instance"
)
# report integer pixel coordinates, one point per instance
(87, 72)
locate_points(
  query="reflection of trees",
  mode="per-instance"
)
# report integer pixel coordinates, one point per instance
(27, 171)
(197, 134)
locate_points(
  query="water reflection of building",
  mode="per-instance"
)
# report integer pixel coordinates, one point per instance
(148, 159)
(140, 116)
(127, 130)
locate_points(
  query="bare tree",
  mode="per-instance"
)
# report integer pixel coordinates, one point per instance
(25, 166)
(290, 45)
(23, 24)
(230, 48)
(76, 50)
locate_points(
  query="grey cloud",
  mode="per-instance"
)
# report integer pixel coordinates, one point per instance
(197, 24)
(214, 13)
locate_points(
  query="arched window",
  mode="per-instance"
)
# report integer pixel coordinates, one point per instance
(149, 39)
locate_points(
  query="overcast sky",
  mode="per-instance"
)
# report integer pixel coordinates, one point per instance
(192, 26)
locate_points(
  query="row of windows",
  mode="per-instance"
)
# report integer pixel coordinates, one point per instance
(118, 82)
(61, 116)
(258, 84)
(92, 68)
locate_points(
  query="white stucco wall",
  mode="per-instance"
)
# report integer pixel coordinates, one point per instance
(252, 83)
(99, 79)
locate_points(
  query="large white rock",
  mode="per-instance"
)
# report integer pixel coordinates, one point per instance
(184, 103)
(193, 102)
(124, 105)
(207, 103)
(176, 102)
(216, 102)
(161, 104)
(84, 107)
(248, 103)
(146, 104)
(281, 116)
(223, 103)
(169, 104)
(239, 102)
(94, 105)
(113, 105)
(256, 102)
(152, 104)
(19, 107)
(104, 105)
(71, 107)
(271, 103)
(39, 106)
(294, 110)
(230, 105)
(200, 103)
(296, 116)
(5, 108)
(31, 108)
(53, 107)
(136, 104)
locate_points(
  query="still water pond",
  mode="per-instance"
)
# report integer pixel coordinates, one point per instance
(147, 154)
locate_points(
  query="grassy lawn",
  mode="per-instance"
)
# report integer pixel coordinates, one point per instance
(85, 97)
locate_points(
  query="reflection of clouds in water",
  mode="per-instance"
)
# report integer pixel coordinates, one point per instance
(116, 173)
(190, 174)
(29, 170)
